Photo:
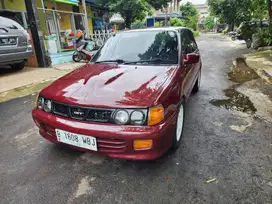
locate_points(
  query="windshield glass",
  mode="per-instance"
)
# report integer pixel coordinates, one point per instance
(140, 46)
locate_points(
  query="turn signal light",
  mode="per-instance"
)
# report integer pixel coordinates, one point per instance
(142, 144)
(156, 115)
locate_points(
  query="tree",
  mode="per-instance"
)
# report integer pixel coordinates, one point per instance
(258, 9)
(158, 4)
(209, 23)
(191, 15)
(232, 12)
(132, 10)
(188, 10)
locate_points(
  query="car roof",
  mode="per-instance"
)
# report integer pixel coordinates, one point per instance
(157, 29)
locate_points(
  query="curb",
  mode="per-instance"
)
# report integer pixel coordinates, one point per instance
(261, 72)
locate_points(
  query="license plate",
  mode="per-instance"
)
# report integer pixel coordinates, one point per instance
(77, 140)
(8, 41)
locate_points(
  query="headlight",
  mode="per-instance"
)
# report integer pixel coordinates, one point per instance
(121, 117)
(40, 102)
(47, 106)
(137, 118)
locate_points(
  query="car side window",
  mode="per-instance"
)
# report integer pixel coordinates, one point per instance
(192, 42)
(185, 42)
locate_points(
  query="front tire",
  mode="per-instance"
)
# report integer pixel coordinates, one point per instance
(18, 66)
(77, 57)
(179, 126)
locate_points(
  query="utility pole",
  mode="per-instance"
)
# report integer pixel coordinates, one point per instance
(37, 36)
(85, 18)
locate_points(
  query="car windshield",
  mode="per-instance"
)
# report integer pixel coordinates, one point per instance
(145, 47)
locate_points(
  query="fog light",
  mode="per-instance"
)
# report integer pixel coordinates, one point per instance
(142, 144)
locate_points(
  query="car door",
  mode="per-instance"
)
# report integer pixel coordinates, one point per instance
(187, 69)
(195, 68)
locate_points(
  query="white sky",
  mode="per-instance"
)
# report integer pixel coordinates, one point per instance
(195, 1)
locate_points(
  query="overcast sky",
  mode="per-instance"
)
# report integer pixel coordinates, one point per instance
(195, 1)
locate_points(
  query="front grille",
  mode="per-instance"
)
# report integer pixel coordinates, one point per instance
(82, 113)
(60, 109)
(99, 115)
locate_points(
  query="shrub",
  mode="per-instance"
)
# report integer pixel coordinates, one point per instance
(265, 36)
(196, 33)
(157, 24)
(176, 22)
(224, 32)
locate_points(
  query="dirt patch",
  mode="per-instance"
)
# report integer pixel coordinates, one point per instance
(241, 72)
(23, 91)
(236, 101)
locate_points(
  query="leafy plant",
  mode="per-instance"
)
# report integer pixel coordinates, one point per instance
(196, 33)
(138, 24)
(176, 22)
(157, 24)
(265, 36)
(209, 23)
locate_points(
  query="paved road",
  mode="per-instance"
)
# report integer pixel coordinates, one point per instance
(232, 147)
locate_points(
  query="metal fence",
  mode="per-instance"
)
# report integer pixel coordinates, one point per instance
(101, 36)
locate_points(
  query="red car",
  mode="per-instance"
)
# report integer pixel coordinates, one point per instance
(128, 101)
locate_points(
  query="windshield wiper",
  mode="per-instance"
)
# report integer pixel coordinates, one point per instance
(155, 60)
(119, 61)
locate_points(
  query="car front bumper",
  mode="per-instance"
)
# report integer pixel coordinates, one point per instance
(113, 140)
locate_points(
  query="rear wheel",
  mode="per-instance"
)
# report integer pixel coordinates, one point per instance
(18, 66)
(179, 126)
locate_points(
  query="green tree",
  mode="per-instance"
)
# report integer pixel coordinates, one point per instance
(132, 10)
(158, 4)
(232, 12)
(191, 15)
(259, 9)
(188, 10)
(209, 22)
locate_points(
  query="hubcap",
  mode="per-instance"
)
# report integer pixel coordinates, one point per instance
(180, 122)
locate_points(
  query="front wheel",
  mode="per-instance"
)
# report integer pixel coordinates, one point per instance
(233, 38)
(77, 57)
(179, 126)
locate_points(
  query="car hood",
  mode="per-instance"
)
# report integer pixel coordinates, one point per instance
(108, 85)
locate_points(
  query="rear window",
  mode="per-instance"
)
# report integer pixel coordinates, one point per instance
(11, 24)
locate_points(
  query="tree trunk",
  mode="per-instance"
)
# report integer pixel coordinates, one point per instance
(128, 19)
(270, 11)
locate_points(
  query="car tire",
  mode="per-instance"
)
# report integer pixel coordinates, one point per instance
(18, 66)
(77, 57)
(197, 83)
(179, 125)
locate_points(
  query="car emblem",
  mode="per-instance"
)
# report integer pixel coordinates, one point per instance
(78, 112)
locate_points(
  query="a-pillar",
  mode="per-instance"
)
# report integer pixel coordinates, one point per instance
(37, 36)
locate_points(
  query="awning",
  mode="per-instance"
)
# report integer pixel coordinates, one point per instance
(74, 2)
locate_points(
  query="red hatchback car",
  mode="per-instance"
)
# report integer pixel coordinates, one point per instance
(128, 101)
